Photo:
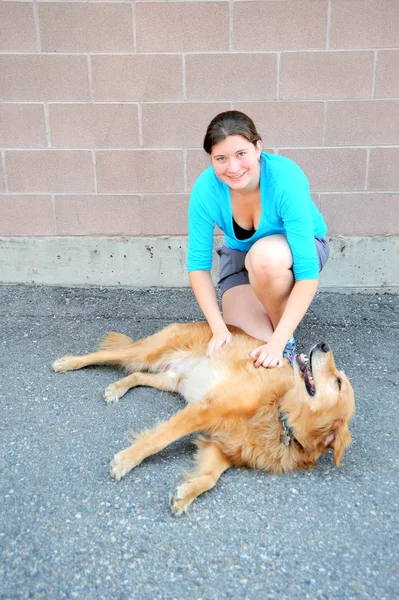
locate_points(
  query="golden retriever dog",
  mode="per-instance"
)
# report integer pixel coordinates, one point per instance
(278, 419)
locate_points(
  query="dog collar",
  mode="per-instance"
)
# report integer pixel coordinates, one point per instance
(288, 435)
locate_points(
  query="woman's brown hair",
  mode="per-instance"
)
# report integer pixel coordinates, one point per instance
(231, 122)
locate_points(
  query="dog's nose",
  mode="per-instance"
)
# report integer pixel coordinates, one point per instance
(324, 347)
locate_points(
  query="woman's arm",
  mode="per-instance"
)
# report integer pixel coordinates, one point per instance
(204, 291)
(298, 303)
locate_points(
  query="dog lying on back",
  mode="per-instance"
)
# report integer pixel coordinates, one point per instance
(278, 419)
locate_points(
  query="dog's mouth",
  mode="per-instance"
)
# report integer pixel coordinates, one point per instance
(305, 367)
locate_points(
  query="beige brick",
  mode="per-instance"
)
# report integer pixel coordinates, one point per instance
(139, 171)
(231, 76)
(330, 169)
(362, 123)
(275, 25)
(43, 78)
(2, 180)
(121, 215)
(361, 214)
(286, 123)
(387, 74)
(17, 27)
(326, 75)
(364, 24)
(197, 161)
(94, 125)
(164, 215)
(383, 169)
(26, 215)
(49, 171)
(98, 215)
(86, 27)
(179, 124)
(22, 126)
(137, 78)
(182, 26)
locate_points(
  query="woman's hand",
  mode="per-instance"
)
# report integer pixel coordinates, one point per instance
(218, 340)
(269, 355)
(204, 291)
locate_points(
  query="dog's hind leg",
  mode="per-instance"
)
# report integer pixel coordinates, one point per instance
(148, 354)
(111, 351)
(115, 349)
(211, 463)
(161, 381)
(71, 363)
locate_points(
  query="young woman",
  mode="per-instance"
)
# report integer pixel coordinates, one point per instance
(274, 240)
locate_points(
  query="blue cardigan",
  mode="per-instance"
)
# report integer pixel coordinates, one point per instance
(287, 208)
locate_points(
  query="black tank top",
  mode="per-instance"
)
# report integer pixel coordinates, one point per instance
(241, 233)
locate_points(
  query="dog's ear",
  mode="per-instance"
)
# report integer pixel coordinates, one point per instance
(339, 439)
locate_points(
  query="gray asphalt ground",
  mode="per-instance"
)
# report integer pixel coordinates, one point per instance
(70, 531)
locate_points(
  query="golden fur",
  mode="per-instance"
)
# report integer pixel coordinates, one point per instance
(239, 409)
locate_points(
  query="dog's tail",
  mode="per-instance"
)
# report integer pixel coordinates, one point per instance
(115, 341)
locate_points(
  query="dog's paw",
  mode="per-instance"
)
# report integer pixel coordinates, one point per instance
(65, 363)
(178, 502)
(121, 464)
(112, 394)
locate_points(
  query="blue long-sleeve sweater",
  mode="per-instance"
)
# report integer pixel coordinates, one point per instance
(287, 208)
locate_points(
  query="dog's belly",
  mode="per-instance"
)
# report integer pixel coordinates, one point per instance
(196, 377)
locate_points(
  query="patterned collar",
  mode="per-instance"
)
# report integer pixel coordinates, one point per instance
(287, 437)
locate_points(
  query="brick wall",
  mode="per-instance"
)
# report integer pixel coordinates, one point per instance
(103, 107)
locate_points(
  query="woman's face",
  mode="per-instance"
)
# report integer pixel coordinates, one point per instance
(236, 162)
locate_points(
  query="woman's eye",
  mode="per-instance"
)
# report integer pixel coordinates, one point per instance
(339, 382)
(241, 154)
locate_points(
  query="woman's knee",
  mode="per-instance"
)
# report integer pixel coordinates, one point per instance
(269, 258)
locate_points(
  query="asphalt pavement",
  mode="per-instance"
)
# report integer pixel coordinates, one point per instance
(69, 531)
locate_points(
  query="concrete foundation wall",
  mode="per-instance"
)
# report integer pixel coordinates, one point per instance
(356, 263)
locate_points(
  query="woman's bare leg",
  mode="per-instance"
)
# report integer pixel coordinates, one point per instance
(242, 308)
(269, 265)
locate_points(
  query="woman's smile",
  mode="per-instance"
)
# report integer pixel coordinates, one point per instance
(237, 177)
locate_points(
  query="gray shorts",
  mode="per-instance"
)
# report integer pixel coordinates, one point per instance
(232, 269)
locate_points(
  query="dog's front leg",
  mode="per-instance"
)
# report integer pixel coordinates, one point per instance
(195, 417)
(211, 463)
